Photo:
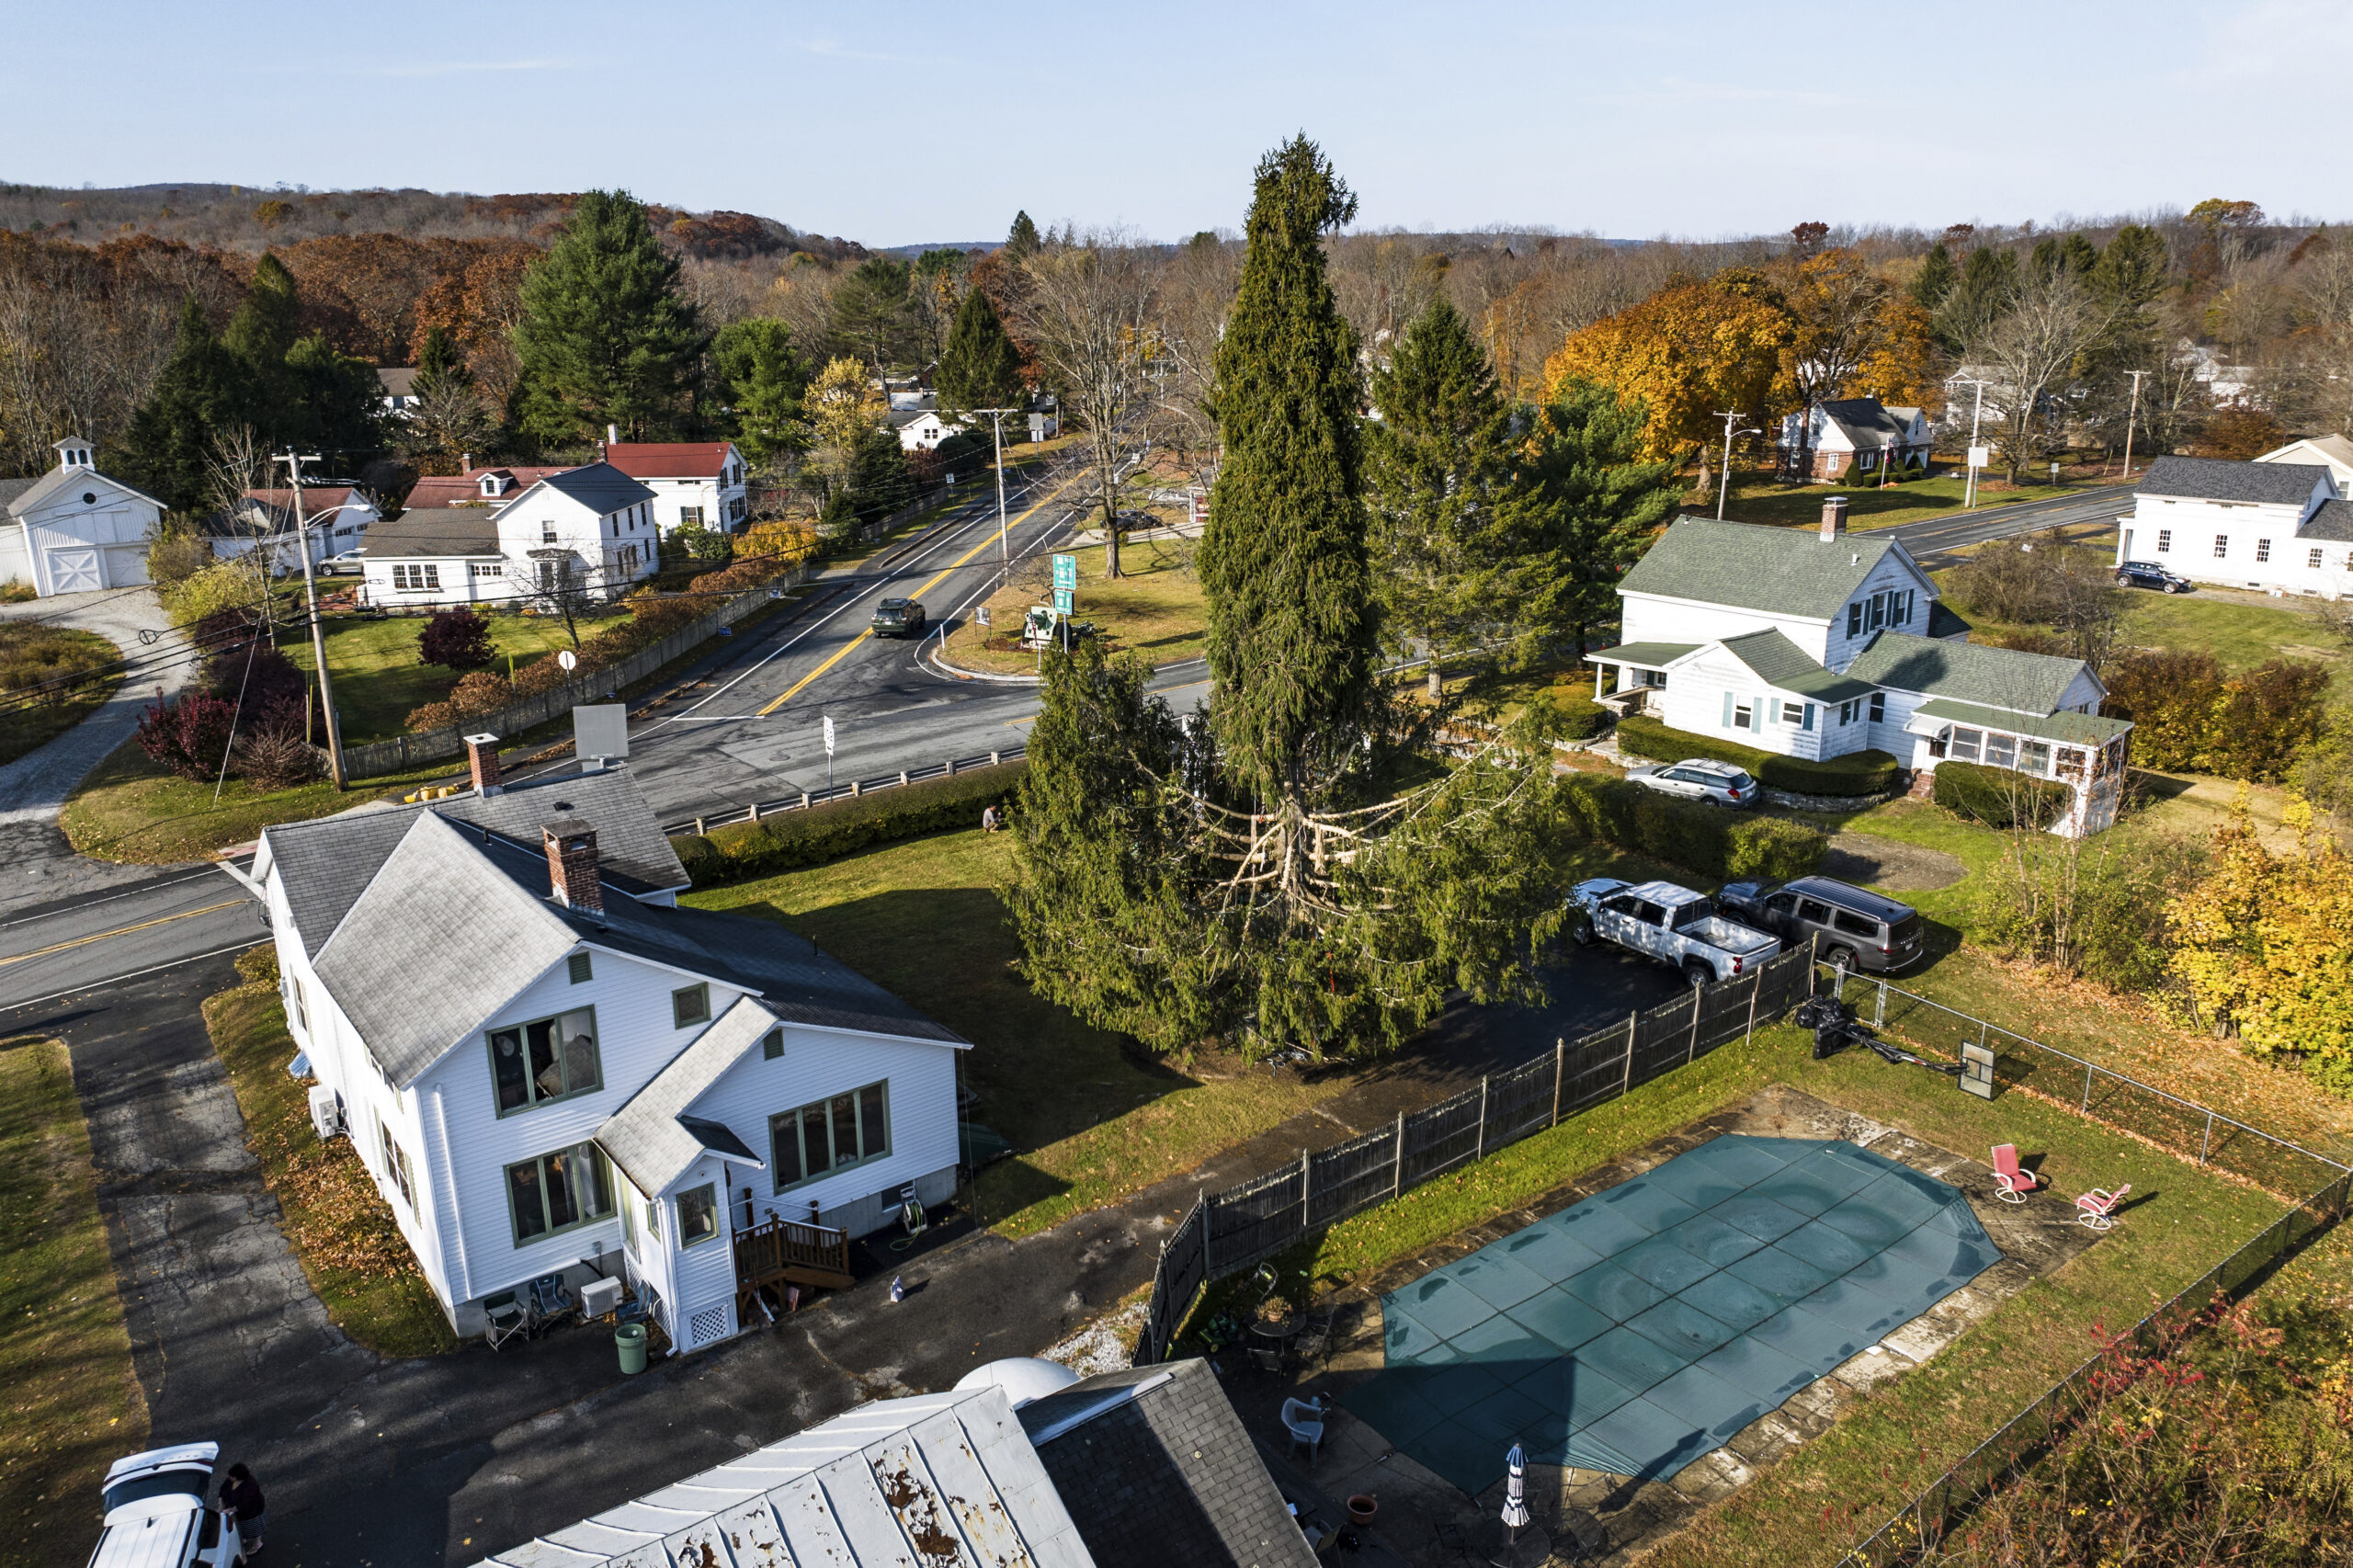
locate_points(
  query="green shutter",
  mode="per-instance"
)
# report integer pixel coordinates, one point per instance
(1809, 717)
(1727, 709)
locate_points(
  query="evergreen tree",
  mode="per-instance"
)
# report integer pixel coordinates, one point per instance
(1935, 279)
(329, 401)
(880, 480)
(202, 388)
(1987, 280)
(1599, 506)
(441, 363)
(873, 315)
(763, 378)
(1293, 632)
(1021, 242)
(2132, 267)
(266, 324)
(605, 336)
(981, 368)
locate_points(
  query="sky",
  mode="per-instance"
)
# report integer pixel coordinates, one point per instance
(925, 121)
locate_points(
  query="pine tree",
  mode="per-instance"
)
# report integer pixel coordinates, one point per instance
(1599, 507)
(764, 378)
(201, 389)
(266, 324)
(441, 364)
(981, 368)
(873, 315)
(1935, 279)
(1293, 629)
(1988, 279)
(1022, 240)
(604, 335)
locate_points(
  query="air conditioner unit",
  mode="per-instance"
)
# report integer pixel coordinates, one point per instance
(326, 1111)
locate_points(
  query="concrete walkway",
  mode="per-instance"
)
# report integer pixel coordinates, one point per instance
(34, 788)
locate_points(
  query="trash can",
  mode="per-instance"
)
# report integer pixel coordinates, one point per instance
(629, 1339)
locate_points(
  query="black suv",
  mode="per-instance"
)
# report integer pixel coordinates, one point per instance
(1846, 924)
(2149, 575)
(898, 617)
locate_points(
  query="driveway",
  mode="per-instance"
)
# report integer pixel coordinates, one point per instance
(35, 786)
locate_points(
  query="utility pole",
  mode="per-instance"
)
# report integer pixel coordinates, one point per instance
(1724, 487)
(996, 420)
(1969, 499)
(293, 461)
(2131, 414)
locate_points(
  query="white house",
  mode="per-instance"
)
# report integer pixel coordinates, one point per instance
(588, 530)
(1851, 438)
(400, 389)
(693, 481)
(550, 1069)
(1818, 644)
(2332, 453)
(2280, 526)
(336, 516)
(920, 426)
(73, 530)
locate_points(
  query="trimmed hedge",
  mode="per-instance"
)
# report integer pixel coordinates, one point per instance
(1581, 718)
(1856, 773)
(789, 840)
(1710, 840)
(1998, 796)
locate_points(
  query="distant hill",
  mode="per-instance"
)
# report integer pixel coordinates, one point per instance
(255, 217)
(908, 253)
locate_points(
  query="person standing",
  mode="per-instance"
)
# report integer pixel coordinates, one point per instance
(241, 1495)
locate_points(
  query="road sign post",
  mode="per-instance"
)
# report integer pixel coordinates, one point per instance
(1065, 571)
(829, 751)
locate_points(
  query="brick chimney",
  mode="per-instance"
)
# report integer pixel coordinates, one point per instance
(571, 865)
(481, 755)
(1833, 516)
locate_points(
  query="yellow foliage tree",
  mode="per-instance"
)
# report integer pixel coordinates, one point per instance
(842, 408)
(2264, 942)
(1684, 353)
(1856, 335)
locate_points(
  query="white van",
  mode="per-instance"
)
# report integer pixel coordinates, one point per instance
(156, 1516)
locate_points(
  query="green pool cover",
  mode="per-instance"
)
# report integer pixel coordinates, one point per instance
(1649, 1323)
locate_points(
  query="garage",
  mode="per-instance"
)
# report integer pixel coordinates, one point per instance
(126, 565)
(74, 571)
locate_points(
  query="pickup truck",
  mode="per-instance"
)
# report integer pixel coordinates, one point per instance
(155, 1512)
(1670, 923)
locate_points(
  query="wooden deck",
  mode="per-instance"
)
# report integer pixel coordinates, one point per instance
(782, 1251)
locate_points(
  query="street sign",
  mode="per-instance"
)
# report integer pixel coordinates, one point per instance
(1065, 572)
(568, 660)
(1063, 600)
(1981, 457)
(829, 734)
(981, 615)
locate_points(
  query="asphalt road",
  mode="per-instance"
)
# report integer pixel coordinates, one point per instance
(1935, 536)
(76, 947)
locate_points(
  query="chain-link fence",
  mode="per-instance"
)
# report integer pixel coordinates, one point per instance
(1228, 1232)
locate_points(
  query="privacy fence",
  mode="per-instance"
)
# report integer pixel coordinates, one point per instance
(1916, 1533)
(404, 752)
(1228, 1232)
(804, 798)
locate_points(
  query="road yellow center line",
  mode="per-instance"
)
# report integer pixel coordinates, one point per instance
(120, 931)
(843, 652)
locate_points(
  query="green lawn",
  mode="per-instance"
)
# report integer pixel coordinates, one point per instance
(1091, 1118)
(1870, 505)
(72, 1404)
(341, 1230)
(2240, 636)
(31, 655)
(379, 678)
(1154, 606)
(129, 810)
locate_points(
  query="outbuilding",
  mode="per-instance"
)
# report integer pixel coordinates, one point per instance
(75, 530)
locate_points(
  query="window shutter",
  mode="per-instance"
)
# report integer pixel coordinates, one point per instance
(1855, 619)
(1727, 709)
(1808, 722)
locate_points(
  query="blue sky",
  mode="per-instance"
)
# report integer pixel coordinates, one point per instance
(923, 120)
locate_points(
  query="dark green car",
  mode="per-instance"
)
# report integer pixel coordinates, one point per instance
(898, 617)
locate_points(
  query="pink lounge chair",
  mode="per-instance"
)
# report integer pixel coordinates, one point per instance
(2096, 1207)
(2011, 1183)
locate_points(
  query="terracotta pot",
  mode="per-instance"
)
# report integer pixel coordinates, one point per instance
(1361, 1508)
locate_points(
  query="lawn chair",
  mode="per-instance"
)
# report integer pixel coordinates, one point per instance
(2011, 1182)
(503, 1318)
(2096, 1209)
(1314, 1341)
(551, 1302)
(1303, 1419)
(1266, 1357)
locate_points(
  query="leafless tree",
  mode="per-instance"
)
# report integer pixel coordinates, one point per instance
(1190, 310)
(449, 421)
(2048, 322)
(1090, 315)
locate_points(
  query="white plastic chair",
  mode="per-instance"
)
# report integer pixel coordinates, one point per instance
(1303, 1419)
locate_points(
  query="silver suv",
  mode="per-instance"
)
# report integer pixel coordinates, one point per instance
(1697, 779)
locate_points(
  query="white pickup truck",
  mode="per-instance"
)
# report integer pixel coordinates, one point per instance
(1670, 923)
(156, 1516)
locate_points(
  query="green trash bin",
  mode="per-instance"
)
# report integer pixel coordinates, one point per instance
(629, 1339)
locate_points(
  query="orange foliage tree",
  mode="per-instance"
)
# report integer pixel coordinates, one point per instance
(1684, 353)
(1856, 335)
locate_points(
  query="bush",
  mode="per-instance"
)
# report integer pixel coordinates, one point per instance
(2187, 715)
(1998, 796)
(697, 542)
(1707, 840)
(34, 656)
(2093, 908)
(455, 639)
(1576, 718)
(272, 752)
(254, 676)
(173, 558)
(793, 839)
(1856, 773)
(223, 586)
(16, 591)
(478, 695)
(188, 735)
(258, 966)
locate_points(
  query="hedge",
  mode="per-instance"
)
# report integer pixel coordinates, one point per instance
(1581, 718)
(789, 840)
(1710, 840)
(1856, 773)
(1998, 796)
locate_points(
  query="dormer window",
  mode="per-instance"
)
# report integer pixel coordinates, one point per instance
(494, 484)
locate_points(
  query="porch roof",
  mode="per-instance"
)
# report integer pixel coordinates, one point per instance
(1642, 656)
(2071, 729)
(1783, 665)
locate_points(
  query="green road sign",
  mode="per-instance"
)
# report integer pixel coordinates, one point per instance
(1062, 598)
(1065, 572)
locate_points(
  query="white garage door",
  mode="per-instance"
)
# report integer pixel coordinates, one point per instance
(126, 565)
(74, 571)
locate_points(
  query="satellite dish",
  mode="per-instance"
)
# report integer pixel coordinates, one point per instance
(568, 660)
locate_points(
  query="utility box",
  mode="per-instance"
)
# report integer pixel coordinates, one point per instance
(327, 1112)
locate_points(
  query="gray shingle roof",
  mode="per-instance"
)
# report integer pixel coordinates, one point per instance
(1641, 655)
(599, 486)
(1966, 671)
(58, 479)
(651, 1137)
(1165, 1475)
(2331, 522)
(12, 488)
(1783, 665)
(1750, 566)
(1868, 423)
(2074, 729)
(2214, 479)
(434, 531)
(327, 862)
(1943, 622)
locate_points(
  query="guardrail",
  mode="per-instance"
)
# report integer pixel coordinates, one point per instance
(807, 798)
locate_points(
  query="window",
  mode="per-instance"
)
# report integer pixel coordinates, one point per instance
(830, 1135)
(1814, 911)
(395, 1164)
(2262, 550)
(1855, 925)
(2313, 561)
(301, 1004)
(1877, 615)
(697, 1216)
(1849, 710)
(652, 1220)
(691, 517)
(2071, 762)
(2001, 751)
(1797, 713)
(1965, 743)
(1855, 619)
(412, 579)
(629, 1225)
(772, 1045)
(2165, 542)
(558, 1192)
(487, 569)
(2222, 546)
(581, 968)
(2034, 757)
(1879, 707)
(1740, 713)
(1903, 616)
(545, 1060)
(691, 1005)
(547, 532)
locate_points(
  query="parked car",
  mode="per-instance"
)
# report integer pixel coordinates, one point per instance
(351, 562)
(156, 1516)
(1845, 925)
(2149, 575)
(898, 617)
(1670, 923)
(1697, 779)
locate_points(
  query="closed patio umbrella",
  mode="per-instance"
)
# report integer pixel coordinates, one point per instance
(1515, 1511)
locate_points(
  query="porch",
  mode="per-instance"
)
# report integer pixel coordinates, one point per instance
(779, 1252)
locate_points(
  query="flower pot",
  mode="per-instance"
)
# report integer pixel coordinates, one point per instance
(1361, 1507)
